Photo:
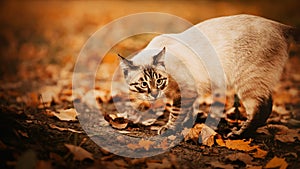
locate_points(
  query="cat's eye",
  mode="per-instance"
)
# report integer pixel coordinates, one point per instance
(144, 84)
(158, 81)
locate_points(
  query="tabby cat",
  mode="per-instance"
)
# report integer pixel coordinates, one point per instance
(252, 51)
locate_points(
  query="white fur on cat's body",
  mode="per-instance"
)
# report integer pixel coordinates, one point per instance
(223, 34)
(252, 51)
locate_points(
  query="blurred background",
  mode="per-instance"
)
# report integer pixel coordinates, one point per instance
(41, 40)
(36, 34)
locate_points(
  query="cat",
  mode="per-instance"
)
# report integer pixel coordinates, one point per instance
(252, 51)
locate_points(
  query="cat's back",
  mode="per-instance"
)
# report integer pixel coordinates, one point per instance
(248, 45)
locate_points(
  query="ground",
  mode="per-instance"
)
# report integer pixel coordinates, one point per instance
(40, 42)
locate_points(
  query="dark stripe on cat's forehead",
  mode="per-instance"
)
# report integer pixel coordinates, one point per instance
(131, 84)
(150, 72)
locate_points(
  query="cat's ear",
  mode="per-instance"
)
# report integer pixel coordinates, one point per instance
(126, 65)
(159, 59)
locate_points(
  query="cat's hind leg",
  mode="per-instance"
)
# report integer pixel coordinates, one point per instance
(258, 111)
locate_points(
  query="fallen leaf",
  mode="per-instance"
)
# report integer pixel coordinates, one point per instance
(63, 129)
(145, 144)
(280, 110)
(220, 142)
(240, 145)
(207, 136)
(120, 163)
(133, 146)
(66, 115)
(172, 137)
(136, 161)
(119, 123)
(217, 164)
(260, 153)
(277, 163)
(92, 97)
(49, 94)
(157, 165)
(281, 132)
(202, 134)
(24, 134)
(246, 158)
(79, 153)
(253, 167)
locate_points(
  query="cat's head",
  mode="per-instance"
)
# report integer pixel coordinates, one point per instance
(146, 82)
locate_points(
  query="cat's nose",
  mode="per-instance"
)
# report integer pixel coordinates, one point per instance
(154, 93)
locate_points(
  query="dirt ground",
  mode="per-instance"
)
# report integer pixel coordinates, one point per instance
(39, 127)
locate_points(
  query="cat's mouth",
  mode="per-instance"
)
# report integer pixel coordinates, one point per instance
(150, 97)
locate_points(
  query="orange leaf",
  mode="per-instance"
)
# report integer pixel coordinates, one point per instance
(260, 153)
(220, 142)
(277, 163)
(239, 145)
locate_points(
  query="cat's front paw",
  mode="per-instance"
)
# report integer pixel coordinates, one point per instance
(235, 133)
(166, 130)
(162, 130)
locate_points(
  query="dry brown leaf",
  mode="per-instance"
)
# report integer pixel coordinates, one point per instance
(24, 134)
(246, 158)
(240, 145)
(79, 153)
(260, 153)
(156, 165)
(63, 129)
(277, 163)
(137, 161)
(92, 97)
(66, 115)
(119, 123)
(49, 94)
(133, 146)
(205, 133)
(120, 163)
(254, 167)
(145, 144)
(282, 133)
(217, 164)
(280, 110)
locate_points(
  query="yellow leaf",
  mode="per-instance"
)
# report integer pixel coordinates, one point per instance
(277, 163)
(239, 145)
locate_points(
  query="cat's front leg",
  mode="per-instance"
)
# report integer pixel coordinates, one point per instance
(179, 115)
(173, 121)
